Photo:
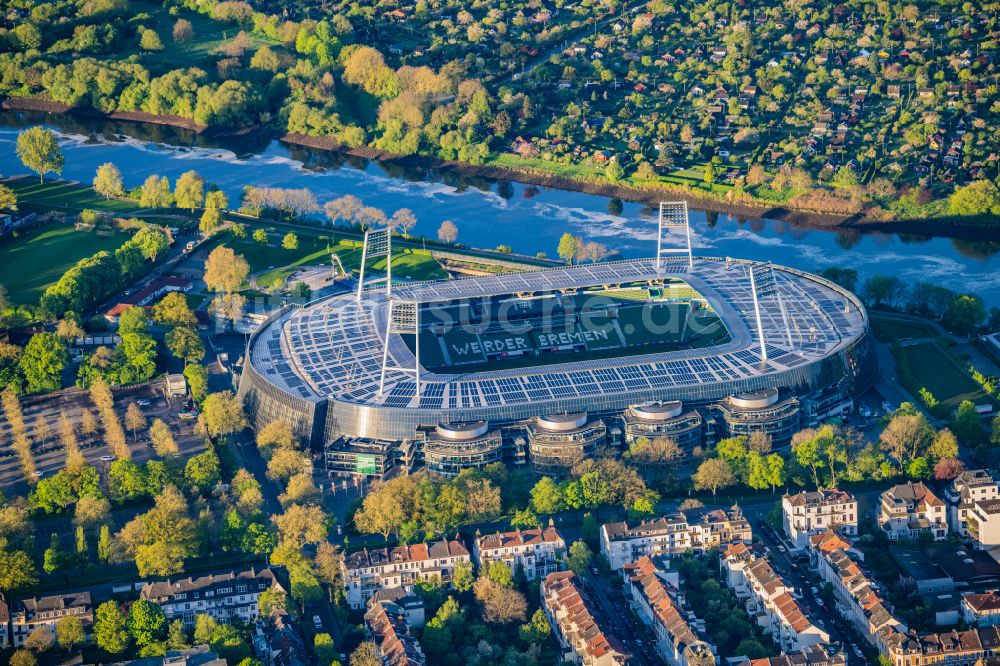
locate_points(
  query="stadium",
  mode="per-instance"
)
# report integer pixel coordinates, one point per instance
(547, 366)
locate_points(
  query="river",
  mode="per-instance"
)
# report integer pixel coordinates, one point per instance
(489, 212)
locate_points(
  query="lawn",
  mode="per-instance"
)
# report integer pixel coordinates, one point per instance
(30, 264)
(934, 370)
(888, 327)
(64, 197)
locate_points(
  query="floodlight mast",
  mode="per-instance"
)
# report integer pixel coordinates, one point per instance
(378, 243)
(673, 215)
(403, 317)
(763, 283)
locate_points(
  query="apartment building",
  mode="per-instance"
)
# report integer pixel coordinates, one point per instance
(910, 509)
(660, 607)
(4, 623)
(387, 626)
(770, 599)
(538, 552)
(367, 571)
(225, 596)
(583, 636)
(673, 534)
(981, 610)
(30, 614)
(968, 488)
(982, 523)
(809, 513)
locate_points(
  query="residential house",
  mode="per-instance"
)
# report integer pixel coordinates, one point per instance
(404, 597)
(224, 596)
(4, 623)
(808, 513)
(673, 534)
(770, 599)
(583, 636)
(199, 655)
(981, 610)
(969, 487)
(367, 571)
(537, 552)
(814, 655)
(386, 624)
(276, 641)
(30, 614)
(154, 289)
(659, 605)
(909, 509)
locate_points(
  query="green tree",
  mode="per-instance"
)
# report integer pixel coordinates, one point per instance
(260, 236)
(150, 41)
(108, 181)
(569, 246)
(110, 632)
(70, 633)
(43, 361)
(203, 470)
(614, 171)
(173, 310)
(980, 197)
(53, 559)
(197, 380)
(38, 149)
(223, 414)
(525, 519)
(189, 190)
(965, 314)
(713, 474)
(546, 496)
(290, 241)
(184, 342)
(966, 425)
(463, 579)
(709, 175)
(579, 557)
(133, 320)
(23, 657)
(146, 622)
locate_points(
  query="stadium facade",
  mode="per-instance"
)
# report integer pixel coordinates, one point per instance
(788, 350)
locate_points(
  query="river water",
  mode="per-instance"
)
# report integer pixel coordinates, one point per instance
(489, 212)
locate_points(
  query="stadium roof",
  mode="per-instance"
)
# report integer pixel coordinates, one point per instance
(333, 348)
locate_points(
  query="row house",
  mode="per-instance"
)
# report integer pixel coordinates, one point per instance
(387, 626)
(770, 599)
(673, 534)
(809, 513)
(814, 655)
(660, 606)
(910, 509)
(583, 639)
(968, 488)
(45, 612)
(226, 597)
(367, 571)
(537, 552)
(277, 642)
(859, 600)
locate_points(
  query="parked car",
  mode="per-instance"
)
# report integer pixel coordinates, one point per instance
(317, 622)
(108, 458)
(142, 402)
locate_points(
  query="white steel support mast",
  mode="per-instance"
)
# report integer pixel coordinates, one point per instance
(403, 317)
(378, 243)
(673, 217)
(762, 284)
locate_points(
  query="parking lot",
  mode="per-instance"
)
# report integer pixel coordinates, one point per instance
(42, 416)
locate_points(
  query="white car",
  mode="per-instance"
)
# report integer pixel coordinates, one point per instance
(108, 458)
(317, 622)
(142, 402)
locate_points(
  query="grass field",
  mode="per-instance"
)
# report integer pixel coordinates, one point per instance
(934, 370)
(889, 327)
(66, 198)
(30, 264)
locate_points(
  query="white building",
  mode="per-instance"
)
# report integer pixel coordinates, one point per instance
(770, 599)
(660, 606)
(224, 596)
(583, 639)
(673, 534)
(981, 610)
(909, 509)
(537, 552)
(968, 488)
(30, 614)
(982, 523)
(367, 571)
(809, 513)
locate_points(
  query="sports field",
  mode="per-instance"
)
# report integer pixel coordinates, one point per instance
(511, 332)
(30, 264)
(934, 370)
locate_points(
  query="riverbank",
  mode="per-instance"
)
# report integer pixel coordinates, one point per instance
(650, 195)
